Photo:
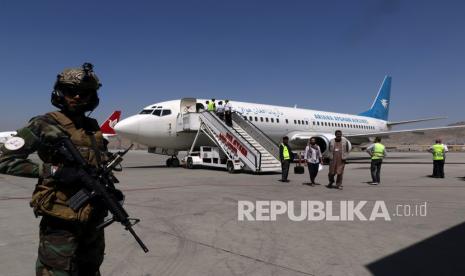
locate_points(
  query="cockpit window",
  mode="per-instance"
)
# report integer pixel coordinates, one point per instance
(156, 107)
(157, 112)
(146, 111)
(166, 112)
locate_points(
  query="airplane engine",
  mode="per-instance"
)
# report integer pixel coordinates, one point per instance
(323, 142)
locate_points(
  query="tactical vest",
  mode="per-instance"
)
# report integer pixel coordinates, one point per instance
(438, 152)
(286, 155)
(51, 197)
(378, 151)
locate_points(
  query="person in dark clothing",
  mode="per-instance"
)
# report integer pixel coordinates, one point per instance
(228, 113)
(286, 156)
(313, 158)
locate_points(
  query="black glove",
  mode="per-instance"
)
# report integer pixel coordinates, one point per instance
(72, 175)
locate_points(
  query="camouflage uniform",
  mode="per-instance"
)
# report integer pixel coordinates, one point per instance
(69, 243)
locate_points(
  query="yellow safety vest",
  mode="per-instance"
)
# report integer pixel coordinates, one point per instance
(286, 152)
(211, 106)
(438, 152)
(378, 151)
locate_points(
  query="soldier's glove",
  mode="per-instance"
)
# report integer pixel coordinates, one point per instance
(72, 175)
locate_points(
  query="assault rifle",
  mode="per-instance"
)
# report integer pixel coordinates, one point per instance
(100, 184)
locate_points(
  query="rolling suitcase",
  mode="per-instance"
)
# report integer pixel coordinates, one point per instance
(299, 169)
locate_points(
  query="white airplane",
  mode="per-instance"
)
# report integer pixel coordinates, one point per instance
(106, 128)
(155, 126)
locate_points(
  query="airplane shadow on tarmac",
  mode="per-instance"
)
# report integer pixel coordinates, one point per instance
(441, 254)
(146, 167)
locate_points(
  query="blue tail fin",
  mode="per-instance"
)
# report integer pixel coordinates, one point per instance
(380, 107)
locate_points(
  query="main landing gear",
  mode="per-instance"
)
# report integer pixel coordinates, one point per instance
(173, 162)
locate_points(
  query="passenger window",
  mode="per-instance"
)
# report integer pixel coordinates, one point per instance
(146, 111)
(261, 119)
(250, 118)
(245, 118)
(266, 119)
(272, 120)
(277, 121)
(295, 122)
(256, 119)
(313, 122)
(157, 112)
(287, 122)
(166, 112)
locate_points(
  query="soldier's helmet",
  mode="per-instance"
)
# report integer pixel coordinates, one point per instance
(73, 81)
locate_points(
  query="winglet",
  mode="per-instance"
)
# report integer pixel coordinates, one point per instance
(109, 124)
(380, 107)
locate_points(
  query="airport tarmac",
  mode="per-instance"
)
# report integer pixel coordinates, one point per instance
(190, 222)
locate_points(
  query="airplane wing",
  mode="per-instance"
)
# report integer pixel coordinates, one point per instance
(415, 121)
(414, 131)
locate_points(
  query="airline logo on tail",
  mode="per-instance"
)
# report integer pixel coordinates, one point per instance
(385, 103)
(107, 127)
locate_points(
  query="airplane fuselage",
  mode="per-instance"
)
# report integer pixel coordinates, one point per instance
(156, 124)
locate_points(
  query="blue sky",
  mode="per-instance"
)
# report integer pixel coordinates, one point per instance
(326, 55)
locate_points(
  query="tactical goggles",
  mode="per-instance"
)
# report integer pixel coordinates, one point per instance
(83, 93)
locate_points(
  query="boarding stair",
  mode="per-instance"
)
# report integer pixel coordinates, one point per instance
(242, 142)
(268, 149)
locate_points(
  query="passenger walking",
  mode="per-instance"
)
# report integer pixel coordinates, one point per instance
(439, 157)
(338, 151)
(220, 110)
(286, 156)
(377, 151)
(313, 158)
(228, 113)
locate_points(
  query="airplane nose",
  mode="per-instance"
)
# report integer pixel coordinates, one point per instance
(128, 128)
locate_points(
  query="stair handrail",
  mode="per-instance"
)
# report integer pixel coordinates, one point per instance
(256, 153)
(270, 145)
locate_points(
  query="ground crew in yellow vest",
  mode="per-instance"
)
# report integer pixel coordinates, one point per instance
(377, 151)
(286, 156)
(70, 243)
(439, 158)
(211, 106)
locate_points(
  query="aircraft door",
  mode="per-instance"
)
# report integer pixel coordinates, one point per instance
(188, 105)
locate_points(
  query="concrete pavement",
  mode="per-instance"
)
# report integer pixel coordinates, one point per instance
(189, 221)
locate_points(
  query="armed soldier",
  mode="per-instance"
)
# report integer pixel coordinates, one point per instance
(70, 242)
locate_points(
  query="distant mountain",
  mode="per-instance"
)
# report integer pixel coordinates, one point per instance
(457, 124)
